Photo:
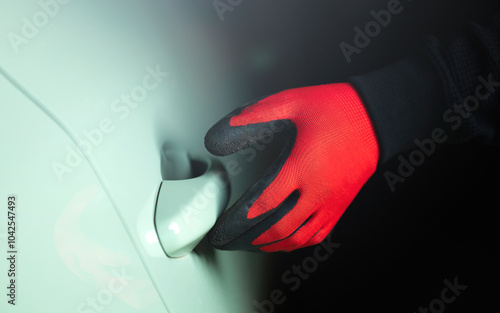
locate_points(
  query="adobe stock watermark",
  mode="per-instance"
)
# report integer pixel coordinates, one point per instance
(453, 116)
(121, 107)
(105, 296)
(266, 136)
(223, 6)
(31, 26)
(203, 197)
(362, 37)
(447, 296)
(233, 168)
(293, 277)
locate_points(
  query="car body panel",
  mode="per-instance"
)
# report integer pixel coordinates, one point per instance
(86, 162)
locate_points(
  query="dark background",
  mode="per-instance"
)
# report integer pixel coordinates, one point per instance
(396, 248)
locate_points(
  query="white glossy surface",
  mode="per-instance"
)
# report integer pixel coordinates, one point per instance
(187, 209)
(61, 249)
(84, 216)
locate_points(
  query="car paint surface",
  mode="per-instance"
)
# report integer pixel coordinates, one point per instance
(89, 92)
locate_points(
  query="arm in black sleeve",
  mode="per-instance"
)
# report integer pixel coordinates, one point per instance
(455, 87)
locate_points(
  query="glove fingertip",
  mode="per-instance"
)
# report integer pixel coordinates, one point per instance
(222, 139)
(216, 141)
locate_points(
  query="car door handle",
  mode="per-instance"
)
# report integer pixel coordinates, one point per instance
(192, 195)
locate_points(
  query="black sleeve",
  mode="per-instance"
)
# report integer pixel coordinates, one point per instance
(454, 87)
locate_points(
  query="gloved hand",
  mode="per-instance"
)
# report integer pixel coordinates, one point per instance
(330, 154)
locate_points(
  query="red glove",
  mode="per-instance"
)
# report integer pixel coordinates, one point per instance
(331, 153)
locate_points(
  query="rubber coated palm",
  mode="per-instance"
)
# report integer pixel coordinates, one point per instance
(331, 152)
